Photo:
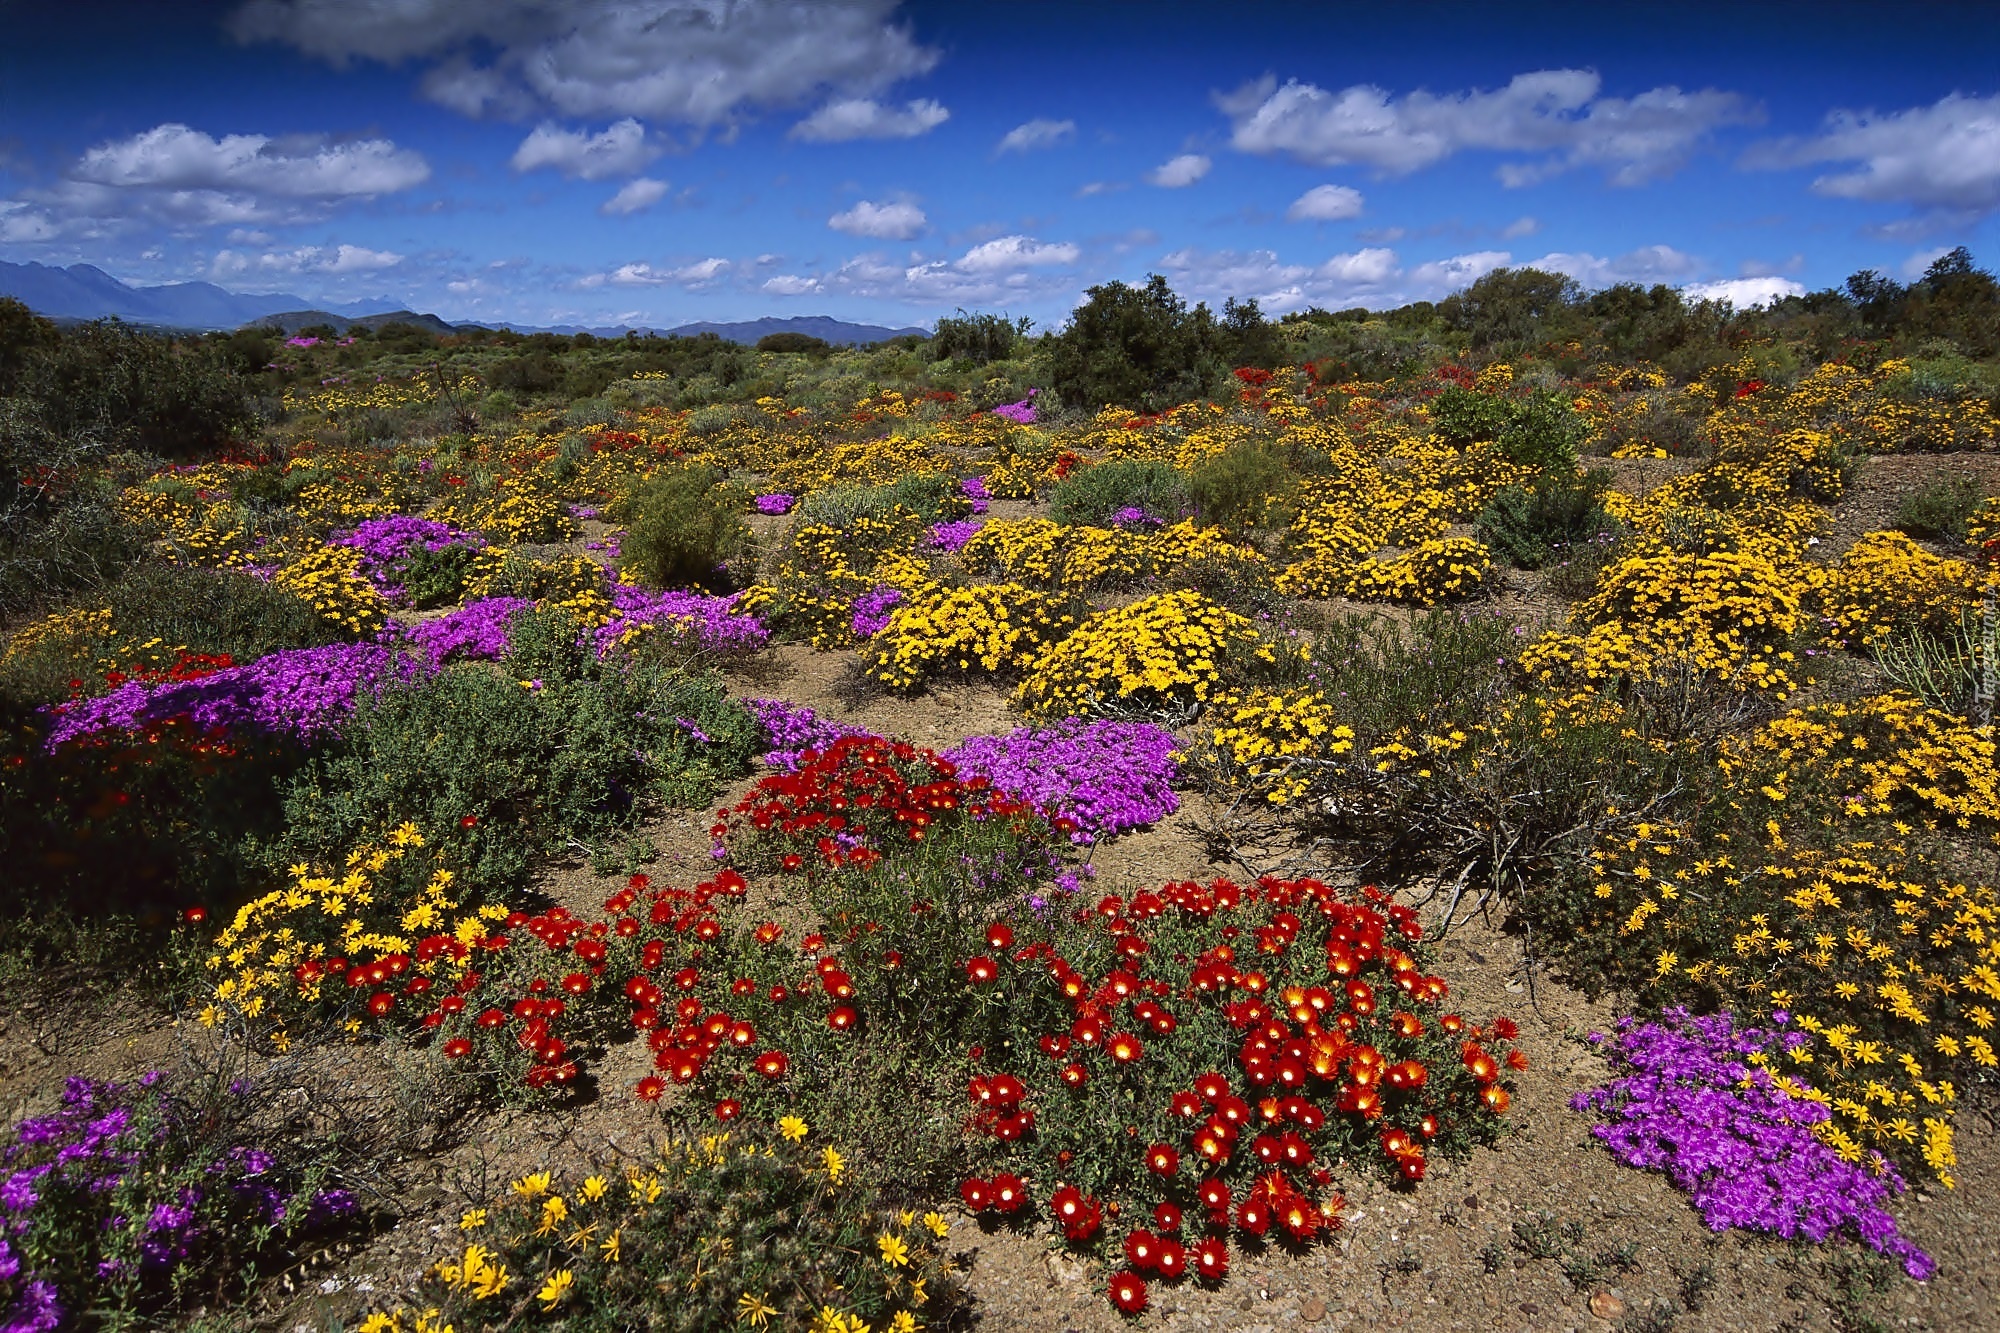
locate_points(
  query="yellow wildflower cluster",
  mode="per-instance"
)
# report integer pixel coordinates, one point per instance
(572, 583)
(69, 634)
(1080, 557)
(825, 567)
(333, 402)
(190, 530)
(1267, 741)
(989, 627)
(1169, 648)
(1886, 582)
(328, 579)
(517, 510)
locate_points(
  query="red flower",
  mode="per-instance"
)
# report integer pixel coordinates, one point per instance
(469, 821)
(999, 936)
(1124, 1047)
(1299, 1217)
(1075, 1075)
(1162, 1160)
(1078, 1215)
(773, 1064)
(1254, 1217)
(840, 1019)
(456, 1048)
(1211, 1259)
(1128, 1292)
(1495, 1097)
(1172, 1262)
(1142, 1250)
(1009, 1193)
(977, 1193)
(981, 971)
(381, 1003)
(1167, 1217)
(650, 1088)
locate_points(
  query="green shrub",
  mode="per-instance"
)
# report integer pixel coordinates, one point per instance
(1234, 489)
(496, 772)
(1462, 416)
(1939, 509)
(682, 528)
(1094, 494)
(1138, 347)
(933, 496)
(1544, 432)
(796, 343)
(977, 339)
(436, 577)
(1528, 528)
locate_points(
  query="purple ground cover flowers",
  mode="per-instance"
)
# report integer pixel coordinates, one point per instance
(954, 536)
(386, 545)
(775, 503)
(477, 630)
(122, 1187)
(872, 610)
(791, 729)
(1106, 777)
(1689, 1102)
(714, 621)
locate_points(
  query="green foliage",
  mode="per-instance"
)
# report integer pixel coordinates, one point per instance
(979, 338)
(530, 373)
(1940, 509)
(1235, 489)
(1463, 416)
(497, 773)
(1135, 346)
(1513, 306)
(1544, 432)
(1530, 527)
(1093, 494)
(933, 496)
(108, 383)
(797, 343)
(683, 529)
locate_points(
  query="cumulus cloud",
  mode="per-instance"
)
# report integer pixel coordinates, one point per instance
(1363, 276)
(1743, 292)
(635, 196)
(865, 118)
(694, 62)
(1441, 276)
(1037, 133)
(333, 260)
(1179, 172)
(178, 176)
(1557, 113)
(1944, 157)
(1326, 203)
(1648, 264)
(1016, 252)
(176, 157)
(1006, 268)
(791, 284)
(701, 273)
(883, 222)
(621, 150)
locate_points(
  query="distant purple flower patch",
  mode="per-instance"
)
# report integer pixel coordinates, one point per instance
(974, 489)
(953, 536)
(776, 503)
(1105, 777)
(1689, 1102)
(713, 621)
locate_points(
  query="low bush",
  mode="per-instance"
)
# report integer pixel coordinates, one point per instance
(1235, 489)
(1940, 510)
(1531, 527)
(683, 529)
(1096, 495)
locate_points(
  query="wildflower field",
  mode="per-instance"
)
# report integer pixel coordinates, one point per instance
(1442, 830)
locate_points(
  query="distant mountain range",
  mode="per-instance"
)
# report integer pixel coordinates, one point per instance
(82, 291)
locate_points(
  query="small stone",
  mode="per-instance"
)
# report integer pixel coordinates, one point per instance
(1312, 1308)
(1530, 1309)
(1606, 1306)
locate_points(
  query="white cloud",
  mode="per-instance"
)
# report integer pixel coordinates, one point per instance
(1648, 264)
(1442, 276)
(791, 284)
(696, 62)
(701, 273)
(1915, 266)
(1554, 112)
(883, 222)
(865, 118)
(335, 260)
(1179, 172)
(1037, 133)
(635, 196)
(1089, 188)
(21, 224)
(1519, 227)
(1341, 280)
(1326, 203)
(620, 150)
(175, 157)
(1743, 292)
(1943, 157)
(1006, 253)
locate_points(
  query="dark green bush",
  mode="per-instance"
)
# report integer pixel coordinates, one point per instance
(1528, 528)
(1939, 509)
(1462, 416)
(112, 384)
(497, 773)
(1235, 489)
(797, 343)
(682, 528)
(1094, 494)
(1544, 432)
(934, 497)
(977, 338)
(1137, 347)
(434, 578)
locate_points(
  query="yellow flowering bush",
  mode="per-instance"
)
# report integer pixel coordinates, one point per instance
(518, 510)
(1887, 582)
(1266, 741)
(1167, 650)
(986, 627)
(189, 529)
(731, 1230)
(328, 579)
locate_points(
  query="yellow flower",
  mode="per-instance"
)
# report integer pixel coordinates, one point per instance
(556, 1288)
(835, 1164)
(754, 1309)
(533, 1186)
(380, 1323)
(554, 1210)
(792, 1128)
(609, 1249)
(472, 1219)
(595, 1187)
(895, 1253)
(938, 1226)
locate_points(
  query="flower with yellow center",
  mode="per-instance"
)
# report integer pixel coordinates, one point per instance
(595, 1188)
(533, 1186)
(556, 1288)
(938, 1226)
(754, 1310)
(835, 1164)
(472, 1219)
(792, 1128)
(895, 1251)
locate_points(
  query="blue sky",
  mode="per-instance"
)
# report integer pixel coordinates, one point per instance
(657, 161)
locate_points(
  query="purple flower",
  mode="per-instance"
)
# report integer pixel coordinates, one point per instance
(1131, 516)
(386, 545)
(477, 630)
(1690, 1102)
(871, 611)
(974, 489)
(1021, 413)
(776, 503)
(1105, 777)
(713, 622)
(791, 729)
(954, 536)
